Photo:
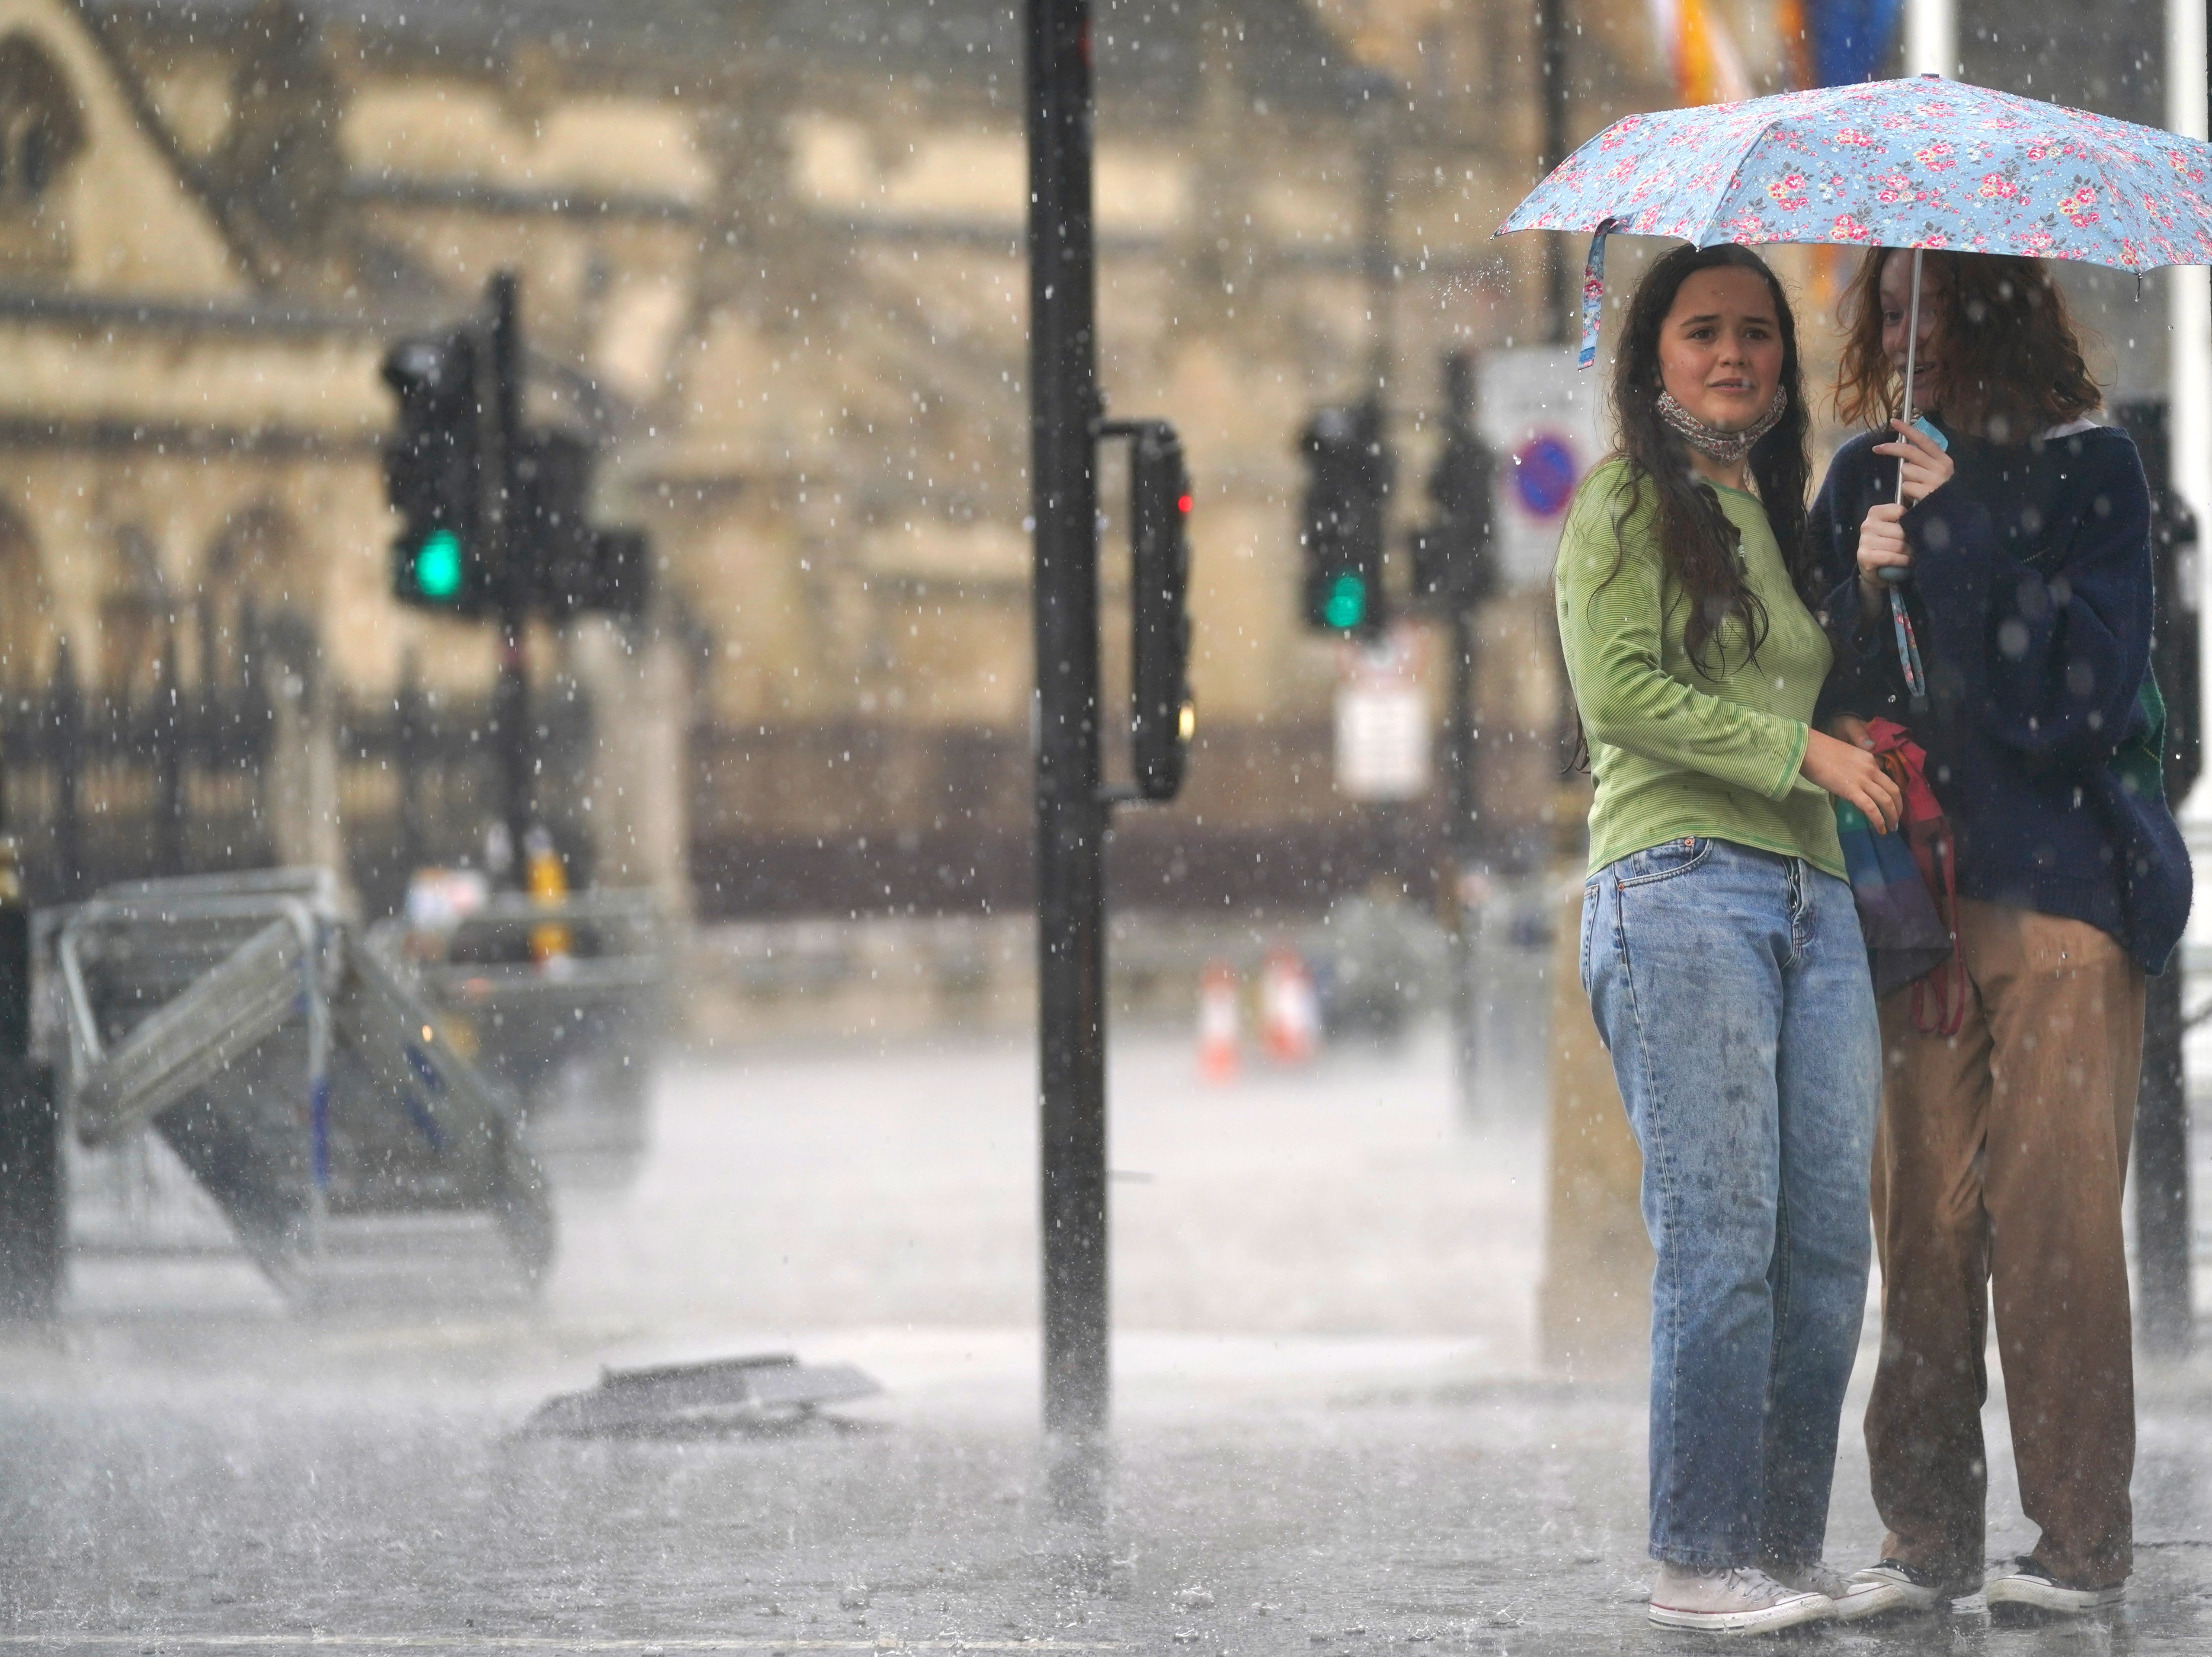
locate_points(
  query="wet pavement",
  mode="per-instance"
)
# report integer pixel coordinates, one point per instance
(1330, 1435)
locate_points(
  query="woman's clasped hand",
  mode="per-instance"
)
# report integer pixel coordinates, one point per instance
(1849, 771)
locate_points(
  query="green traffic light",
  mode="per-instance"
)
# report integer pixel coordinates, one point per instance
(438, 565)
(1346, 606)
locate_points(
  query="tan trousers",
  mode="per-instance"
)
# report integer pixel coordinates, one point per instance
(1999, 1163)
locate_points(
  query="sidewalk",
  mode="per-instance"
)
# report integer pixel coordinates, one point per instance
(1329, 1434)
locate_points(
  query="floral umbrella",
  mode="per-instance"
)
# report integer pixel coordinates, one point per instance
(1916, 163)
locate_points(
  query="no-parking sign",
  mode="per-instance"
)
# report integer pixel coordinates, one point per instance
(1540, 416)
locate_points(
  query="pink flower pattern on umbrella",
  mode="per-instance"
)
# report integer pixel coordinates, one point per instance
(2081, 205)
(1916, 162)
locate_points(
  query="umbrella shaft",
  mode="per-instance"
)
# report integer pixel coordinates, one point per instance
(1908, 646)
(1912, 359)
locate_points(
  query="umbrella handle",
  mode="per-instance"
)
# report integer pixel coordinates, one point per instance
(1908, 653)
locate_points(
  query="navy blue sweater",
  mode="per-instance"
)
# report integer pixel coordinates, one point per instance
(2032, 598)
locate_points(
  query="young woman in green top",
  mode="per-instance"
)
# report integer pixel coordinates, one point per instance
(1720, 948)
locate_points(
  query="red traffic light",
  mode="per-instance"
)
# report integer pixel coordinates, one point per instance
(1183, 504)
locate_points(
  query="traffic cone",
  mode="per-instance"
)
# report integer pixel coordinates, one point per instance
(1219, 1021)
(1290, 1010)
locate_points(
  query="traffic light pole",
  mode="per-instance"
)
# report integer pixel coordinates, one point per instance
(1463, 860)
(1377, 167)
(2164, 1302)
(1453, 571)
(495, 523)
(1071, 813)
(501, 427)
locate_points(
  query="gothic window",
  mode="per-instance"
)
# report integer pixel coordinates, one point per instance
(41, 129)
(255, 594)
(136, 617)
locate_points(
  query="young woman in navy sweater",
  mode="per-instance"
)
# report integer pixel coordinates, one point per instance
(2009, 1097)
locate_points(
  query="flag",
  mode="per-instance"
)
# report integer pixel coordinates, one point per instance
(1707, 66)
(1835, 43)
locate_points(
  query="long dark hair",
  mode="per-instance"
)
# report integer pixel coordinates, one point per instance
(1699, 546)
(2013, 363)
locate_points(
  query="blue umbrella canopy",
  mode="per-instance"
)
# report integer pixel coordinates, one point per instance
(1921, 163)
(1924, 162)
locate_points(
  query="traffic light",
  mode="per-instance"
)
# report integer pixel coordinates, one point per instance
(1163, 719)
(1453, 564)
(431, 468)
(548, 557)
(1349, 471)
(573, 565)
(551, 522)
(619, 581)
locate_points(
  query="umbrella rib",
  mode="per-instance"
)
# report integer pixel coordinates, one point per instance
(2112, 198)
(1728, 189)
(2138, 213)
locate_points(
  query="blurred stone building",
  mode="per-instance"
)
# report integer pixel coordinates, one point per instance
(771, 256)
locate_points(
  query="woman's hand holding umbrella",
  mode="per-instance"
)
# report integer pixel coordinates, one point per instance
(1925, 466)
(1885, 555)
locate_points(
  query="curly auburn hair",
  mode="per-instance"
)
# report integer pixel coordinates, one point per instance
(2012, 356)
(1699, 546)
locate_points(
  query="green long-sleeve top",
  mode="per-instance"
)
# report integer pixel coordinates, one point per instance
(1676, 751)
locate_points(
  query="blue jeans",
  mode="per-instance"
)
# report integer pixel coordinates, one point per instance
(1731, 988)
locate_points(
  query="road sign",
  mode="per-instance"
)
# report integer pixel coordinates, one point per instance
(1383, 727)
(1540, 415)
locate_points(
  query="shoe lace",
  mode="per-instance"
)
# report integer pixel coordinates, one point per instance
(1755, 1583)
(1816, 1576)
(1823, 1578)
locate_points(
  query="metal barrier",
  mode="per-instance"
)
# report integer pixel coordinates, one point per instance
(292, 1072)
(576, 1034)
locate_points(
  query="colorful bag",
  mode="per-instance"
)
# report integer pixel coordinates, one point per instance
(1904, 937)
(1905, 886)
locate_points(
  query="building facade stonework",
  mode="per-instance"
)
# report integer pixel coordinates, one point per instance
(771, 256)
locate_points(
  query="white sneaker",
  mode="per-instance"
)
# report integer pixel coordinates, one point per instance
(2030, 1587)
(1734, 1600)
(1855, 1596)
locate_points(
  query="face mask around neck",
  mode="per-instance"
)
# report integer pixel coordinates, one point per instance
(1726, 447)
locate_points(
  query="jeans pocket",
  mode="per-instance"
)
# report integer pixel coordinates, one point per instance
(1591, 898)
(1663, 861)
